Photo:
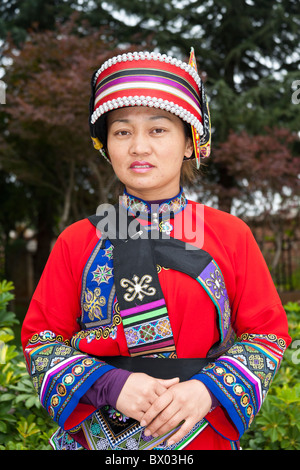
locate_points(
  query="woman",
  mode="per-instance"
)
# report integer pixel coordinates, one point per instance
(161, 327)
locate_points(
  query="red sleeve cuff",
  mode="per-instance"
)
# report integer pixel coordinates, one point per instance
(220, 421)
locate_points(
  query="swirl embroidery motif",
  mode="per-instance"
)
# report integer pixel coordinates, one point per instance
(137, 287)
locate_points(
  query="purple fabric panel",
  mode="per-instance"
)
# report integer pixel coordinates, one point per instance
(106, 390)
(215, 401)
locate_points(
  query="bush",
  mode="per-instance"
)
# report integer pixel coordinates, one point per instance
(24, 424)
(277, 425)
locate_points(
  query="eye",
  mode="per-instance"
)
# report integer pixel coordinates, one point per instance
(158, 131)
(121, 133)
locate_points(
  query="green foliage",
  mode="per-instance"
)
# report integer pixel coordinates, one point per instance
(277, 425)
(24, 425)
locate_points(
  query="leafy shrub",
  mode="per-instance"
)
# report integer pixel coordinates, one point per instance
(277, 425)
(24, 424)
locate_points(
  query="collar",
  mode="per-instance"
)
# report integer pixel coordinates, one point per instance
(165, 209)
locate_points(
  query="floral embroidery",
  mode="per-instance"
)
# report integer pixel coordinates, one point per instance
(102, 274)
(108, 252)
(95, 428)
(165, 227)
(147, 332)
(245, 399)
(238, 389)
(132, 444)
(217, 283)
(117, 415)
(271, 364)
(229, 379)
(131, 336)
(164, 327)
(68, 379)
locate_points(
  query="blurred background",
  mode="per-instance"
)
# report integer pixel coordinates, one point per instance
(50, 176)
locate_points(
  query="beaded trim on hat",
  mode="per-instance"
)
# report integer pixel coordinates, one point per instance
(150, 102)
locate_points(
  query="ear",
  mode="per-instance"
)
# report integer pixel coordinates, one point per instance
(189, 148)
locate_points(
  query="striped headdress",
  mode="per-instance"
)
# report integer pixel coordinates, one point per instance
(153, 80)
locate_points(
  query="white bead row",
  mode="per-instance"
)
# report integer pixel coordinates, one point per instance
(151, 102)
(149, 56)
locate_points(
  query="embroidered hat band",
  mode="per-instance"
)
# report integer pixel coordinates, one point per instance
(152, 80)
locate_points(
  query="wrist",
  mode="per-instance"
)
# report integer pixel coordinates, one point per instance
(204, 393)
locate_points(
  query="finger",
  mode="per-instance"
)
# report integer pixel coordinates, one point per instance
(157, 407)
(166, 420)
(183, 430)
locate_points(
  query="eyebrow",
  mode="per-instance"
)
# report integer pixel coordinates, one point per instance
(152, 118)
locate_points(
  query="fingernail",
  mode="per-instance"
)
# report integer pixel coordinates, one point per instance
(143, 422)
(147, 432)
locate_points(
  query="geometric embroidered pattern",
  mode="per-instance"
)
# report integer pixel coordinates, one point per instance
(134, 205)
(62, 440)
(59, 372)
(241, 378)
(147, 328)
(105, 431)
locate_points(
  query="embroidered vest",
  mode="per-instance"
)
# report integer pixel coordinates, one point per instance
(121, 284)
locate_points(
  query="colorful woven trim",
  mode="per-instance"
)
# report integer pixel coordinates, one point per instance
(103, 431)
(61, 375)
(135, 204)
(153, 80)
(147, 329)
(240, 380)
(213, 282)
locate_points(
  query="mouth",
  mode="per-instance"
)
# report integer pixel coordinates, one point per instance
(141, 166)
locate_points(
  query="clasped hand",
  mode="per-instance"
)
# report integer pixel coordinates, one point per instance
(161, 405)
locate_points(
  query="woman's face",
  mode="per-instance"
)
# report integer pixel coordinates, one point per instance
(146, 147)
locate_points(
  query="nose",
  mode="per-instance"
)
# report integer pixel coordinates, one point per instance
(139, 144)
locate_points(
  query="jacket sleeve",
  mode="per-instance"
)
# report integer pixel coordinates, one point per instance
(241, 377)
(61, 374)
